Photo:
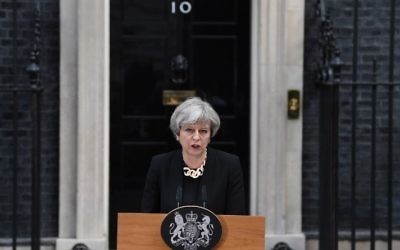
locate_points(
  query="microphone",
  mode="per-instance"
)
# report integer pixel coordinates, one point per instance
(178, 196)
(204, 195)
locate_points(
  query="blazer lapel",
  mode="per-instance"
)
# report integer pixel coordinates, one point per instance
(176, 172)
(209, 170)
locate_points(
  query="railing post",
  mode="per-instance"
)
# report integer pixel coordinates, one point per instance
(328, 162)
(15, 130)
(329, 79)
(34, 75)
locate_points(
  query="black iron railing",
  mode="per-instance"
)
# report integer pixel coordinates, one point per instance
(365, 110)
(19, 95)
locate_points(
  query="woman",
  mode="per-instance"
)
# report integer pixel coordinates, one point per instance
(196, 174)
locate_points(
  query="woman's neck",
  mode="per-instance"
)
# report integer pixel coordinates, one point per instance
(194, 161)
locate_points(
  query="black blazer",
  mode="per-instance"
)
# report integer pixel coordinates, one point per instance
(222, 177)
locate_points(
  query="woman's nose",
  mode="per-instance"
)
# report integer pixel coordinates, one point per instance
(196, 135)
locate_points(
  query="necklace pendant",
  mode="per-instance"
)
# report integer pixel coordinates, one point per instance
(193, 173)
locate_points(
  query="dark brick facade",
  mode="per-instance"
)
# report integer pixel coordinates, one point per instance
(14, 58)
(373, 42)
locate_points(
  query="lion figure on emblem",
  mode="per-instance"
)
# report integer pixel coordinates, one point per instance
(177, 232)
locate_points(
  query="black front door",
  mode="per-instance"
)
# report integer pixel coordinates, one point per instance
(162, 49)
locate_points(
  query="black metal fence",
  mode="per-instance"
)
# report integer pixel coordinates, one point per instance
(20, 108)
(19, 97)
(359, 141)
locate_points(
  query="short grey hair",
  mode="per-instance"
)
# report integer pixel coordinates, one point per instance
(191, 111)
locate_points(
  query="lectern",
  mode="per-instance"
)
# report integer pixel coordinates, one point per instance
(141, 231)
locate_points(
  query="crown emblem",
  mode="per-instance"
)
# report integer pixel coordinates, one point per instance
(191, 217)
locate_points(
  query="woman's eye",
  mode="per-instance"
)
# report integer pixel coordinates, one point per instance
(204, 131)
(189, 130)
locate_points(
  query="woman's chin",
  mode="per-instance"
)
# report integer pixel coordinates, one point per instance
(195, 151)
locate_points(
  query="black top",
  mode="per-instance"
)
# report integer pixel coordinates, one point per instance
(191, 189)
(221, 186)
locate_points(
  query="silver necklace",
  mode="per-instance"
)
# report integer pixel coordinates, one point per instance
(195, 173)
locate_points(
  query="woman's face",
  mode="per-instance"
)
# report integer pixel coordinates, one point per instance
(194, 138)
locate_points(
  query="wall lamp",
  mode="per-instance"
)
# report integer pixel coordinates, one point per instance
(293, 105)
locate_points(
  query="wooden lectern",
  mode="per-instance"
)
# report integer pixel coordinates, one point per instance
(141, 231)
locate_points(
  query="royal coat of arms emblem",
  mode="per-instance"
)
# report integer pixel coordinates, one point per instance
(191, 228)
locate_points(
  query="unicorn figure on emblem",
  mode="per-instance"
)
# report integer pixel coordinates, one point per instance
(206, 230)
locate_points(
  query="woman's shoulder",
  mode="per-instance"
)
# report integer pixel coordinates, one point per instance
(163, 161)
(226, 162)
(223, 154)
(165, 156)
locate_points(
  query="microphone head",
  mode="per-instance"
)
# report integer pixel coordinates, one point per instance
(204, 193)
(178, 196)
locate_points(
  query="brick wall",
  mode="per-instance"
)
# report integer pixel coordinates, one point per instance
(374, 23)
(13, 61)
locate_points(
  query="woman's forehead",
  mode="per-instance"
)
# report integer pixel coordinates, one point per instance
(197, 124)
